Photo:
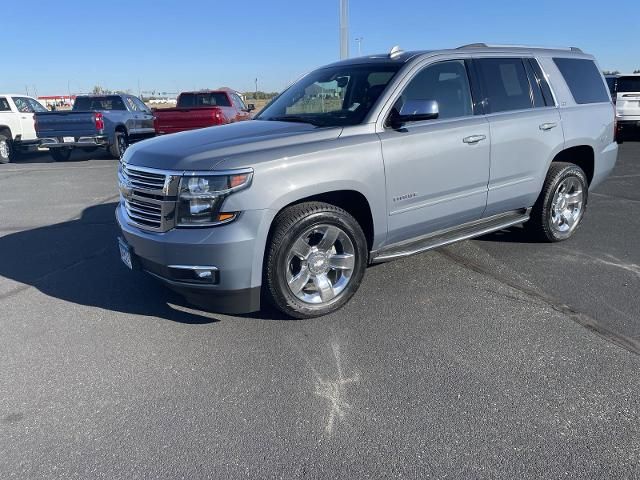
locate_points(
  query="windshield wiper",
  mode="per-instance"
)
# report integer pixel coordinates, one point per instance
(294, 118)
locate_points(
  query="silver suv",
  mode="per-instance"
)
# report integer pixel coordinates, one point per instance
(364, 161)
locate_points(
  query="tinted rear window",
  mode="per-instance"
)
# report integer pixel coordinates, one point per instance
(4, 105)
(584, 80)
(629, 84)
(205, 99)
(99, 103)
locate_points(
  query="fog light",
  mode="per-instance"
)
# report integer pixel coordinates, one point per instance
(204, 274)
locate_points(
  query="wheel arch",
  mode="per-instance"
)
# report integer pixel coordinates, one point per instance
(6, 128)
(581, 155)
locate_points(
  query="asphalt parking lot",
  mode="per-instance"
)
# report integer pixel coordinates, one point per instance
(495, 357)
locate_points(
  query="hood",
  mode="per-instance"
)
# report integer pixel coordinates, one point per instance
(203, 149)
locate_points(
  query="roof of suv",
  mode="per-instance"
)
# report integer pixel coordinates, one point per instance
(404, 57)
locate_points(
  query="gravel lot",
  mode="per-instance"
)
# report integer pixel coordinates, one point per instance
(493, 358)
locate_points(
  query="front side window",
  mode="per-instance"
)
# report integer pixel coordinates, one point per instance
(140, 104)
(447, 83)
(334, 96)
(505, 84)
(583, 79)
(36, 106)
(132, 106)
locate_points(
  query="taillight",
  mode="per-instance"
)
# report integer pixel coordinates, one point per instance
(616, 133)
(35, 123)
(97, 117)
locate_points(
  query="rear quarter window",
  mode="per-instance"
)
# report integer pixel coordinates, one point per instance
(583, 79)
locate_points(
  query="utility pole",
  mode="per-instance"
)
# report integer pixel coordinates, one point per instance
(344, 29)
(256, 95)
(359, 40)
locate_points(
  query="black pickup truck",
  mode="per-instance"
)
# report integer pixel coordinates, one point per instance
(108, 121)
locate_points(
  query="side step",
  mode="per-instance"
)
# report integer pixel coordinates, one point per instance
(450, 235)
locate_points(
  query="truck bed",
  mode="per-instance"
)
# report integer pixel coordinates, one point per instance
(171, 120)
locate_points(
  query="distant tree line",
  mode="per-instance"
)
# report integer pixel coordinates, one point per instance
(616, 72)
(259, 95)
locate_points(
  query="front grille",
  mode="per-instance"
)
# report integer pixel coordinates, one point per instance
(144, 213)
(144, 179)
(149, 197)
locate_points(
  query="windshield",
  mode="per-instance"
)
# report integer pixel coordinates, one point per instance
(629, 84)
(330, 97)
(111, 102)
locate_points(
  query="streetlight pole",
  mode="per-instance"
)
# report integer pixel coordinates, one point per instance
(359, 40)
(344, 29)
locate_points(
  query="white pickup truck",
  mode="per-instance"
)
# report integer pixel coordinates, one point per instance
(17, 130)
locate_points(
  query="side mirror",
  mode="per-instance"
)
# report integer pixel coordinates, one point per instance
(416, 111)
(251, 107)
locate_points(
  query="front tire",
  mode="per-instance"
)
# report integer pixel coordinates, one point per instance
(6, 149)
(315, 260)
(60, 154)
(562, 203)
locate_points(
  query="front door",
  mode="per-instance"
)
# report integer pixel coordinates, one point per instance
(436, 170)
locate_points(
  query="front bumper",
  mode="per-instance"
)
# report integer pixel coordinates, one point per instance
(231, 249)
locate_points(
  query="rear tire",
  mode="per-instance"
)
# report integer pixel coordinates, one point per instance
(6, 149)
(315, 260)
(60, 154)
(119, 145)
(561, 205)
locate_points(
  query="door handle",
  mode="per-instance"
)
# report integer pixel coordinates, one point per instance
(471, 139)
(548, 126)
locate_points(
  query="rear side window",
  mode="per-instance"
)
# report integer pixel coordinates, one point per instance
(629, 84)
(504, 83)
(4, 105)
(583, 79)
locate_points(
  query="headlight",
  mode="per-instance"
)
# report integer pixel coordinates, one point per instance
(200, 197)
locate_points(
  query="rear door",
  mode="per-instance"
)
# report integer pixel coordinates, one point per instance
(526, 132)
(25, 108)
(436, 170)
(146, 118)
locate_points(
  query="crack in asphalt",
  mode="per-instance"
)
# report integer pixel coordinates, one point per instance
(628, 343)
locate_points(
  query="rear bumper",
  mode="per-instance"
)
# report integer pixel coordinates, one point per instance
(91, 141)
(228, 251)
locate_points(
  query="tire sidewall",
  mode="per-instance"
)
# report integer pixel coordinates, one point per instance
(116, 150)
(569, 171)
(9, 146)
(297, 307)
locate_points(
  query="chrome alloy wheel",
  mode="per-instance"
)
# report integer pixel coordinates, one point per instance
(567, 206)
(320, 264)
(4, 149)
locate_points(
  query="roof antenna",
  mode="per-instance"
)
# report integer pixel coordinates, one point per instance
(396, 52)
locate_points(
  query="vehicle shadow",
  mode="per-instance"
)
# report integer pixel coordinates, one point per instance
(516, 234)
(78, 261)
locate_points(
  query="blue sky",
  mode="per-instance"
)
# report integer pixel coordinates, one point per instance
(168, 45)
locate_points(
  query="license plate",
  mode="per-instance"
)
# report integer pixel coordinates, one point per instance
(68, 139)
(125, 253)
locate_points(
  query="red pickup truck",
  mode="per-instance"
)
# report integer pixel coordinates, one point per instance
(202, 109)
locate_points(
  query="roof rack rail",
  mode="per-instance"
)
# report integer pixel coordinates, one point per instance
(487, 45)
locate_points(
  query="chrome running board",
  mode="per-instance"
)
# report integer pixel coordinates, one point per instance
(450, 235)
